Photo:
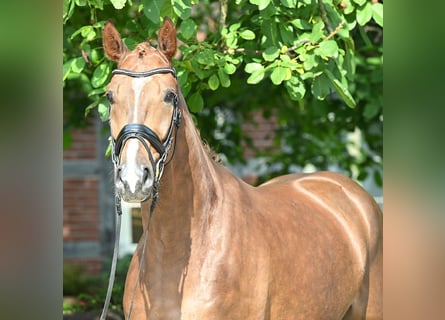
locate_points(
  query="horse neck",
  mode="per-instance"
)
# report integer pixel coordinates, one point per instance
(189, 185)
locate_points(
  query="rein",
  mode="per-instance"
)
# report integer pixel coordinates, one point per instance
(143, 134)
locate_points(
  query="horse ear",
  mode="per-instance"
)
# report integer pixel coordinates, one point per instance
(167, 38)
(115, 48)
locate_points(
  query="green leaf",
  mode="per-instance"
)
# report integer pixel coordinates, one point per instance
(68, 10)
(195, 102)
(84, 31)
(96, 92)
(301, 24)
(100, 74)
(279, 74)
(152, 10)
(188, 28)
(371, 110)
(349, 64)
(118, 4)
(341, 90)
(296, 89)
(235, 26)
(271, 53)
(103, 110)
(231, 40)
(253, 66)
(109, 149)
(289, 3)
(321, 87)
(167, 9)
(328, 49)
(287, 33)
(317, 31)
(91, 107)
(81, 3)
(360, 2)
(256, 76)
(262, 4)
(206, 57)
(349, 8)
(223, 78)
(270, 36)
(182, 8)
(183, 76)
(197, 69)
(67, 140)
(247, 35)
(377, 13)
(310, 61)
(213, 82)
(78, 65)
(229, 68)
(67, 69)
(364, 14)
(378, 178)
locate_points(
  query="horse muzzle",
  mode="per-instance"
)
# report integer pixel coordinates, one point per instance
(134, 182)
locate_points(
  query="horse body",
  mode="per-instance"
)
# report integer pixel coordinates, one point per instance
(301, 246)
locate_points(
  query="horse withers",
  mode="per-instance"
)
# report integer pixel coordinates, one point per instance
(301, 246)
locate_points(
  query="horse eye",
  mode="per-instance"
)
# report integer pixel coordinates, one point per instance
(169, 97)
(109, 96)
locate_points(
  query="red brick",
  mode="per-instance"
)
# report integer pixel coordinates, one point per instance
(91, 266)
(83, 144)
(81, 209)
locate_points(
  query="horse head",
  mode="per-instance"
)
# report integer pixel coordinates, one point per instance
(143, 96)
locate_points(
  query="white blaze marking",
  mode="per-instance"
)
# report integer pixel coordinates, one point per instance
(138, 84)
(131, 165)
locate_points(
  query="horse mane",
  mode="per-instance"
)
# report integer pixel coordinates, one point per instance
(212, 153)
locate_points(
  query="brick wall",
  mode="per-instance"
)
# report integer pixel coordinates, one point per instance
(260, 130)
(80, 212)
(81, 223)
(83, 145)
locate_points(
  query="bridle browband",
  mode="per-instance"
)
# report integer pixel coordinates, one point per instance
(144, 74)
(143, 134)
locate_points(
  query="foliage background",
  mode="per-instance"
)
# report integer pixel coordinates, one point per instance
(315, 65)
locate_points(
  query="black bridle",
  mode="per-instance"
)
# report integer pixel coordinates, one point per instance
(143, 134)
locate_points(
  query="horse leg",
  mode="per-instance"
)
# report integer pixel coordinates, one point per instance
(357, 310)
(375, 304)
(369, 302)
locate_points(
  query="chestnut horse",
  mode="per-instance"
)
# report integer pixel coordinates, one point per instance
(301, 246)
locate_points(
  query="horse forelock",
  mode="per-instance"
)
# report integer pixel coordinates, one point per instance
(143, 58)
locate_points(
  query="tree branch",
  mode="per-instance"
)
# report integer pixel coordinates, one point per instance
(334, 32)
(223, 13)
(324, 16)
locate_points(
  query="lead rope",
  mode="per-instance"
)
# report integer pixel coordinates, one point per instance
(114, 260)
(116, 253)
(152, 208)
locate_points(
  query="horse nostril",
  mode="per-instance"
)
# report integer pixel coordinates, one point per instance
(119, 174)
(145, 175)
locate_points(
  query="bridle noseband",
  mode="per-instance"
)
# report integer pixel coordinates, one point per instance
(144, 133)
